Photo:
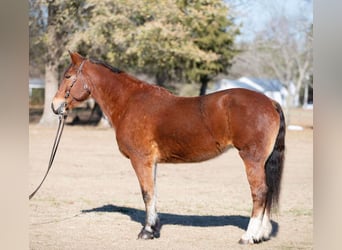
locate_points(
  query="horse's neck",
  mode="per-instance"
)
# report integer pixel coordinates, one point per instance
(112, 92)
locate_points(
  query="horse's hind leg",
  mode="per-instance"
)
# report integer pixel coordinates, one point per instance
(146, 173)
(259, 226)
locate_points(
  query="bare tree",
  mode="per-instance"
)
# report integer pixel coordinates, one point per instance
(282, 50)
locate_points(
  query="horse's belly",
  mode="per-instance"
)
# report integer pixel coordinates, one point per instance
(191, 153)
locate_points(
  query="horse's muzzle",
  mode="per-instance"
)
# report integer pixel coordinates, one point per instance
(59, 107)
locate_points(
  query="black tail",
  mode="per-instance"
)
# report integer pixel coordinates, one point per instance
(275, 163)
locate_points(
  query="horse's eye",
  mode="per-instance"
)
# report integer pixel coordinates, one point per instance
(67, 76)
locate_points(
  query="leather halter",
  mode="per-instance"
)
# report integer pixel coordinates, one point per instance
(62, 109)
(79, 71)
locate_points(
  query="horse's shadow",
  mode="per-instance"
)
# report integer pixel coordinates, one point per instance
(183, 220)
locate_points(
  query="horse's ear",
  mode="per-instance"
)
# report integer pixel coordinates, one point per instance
(76, 58)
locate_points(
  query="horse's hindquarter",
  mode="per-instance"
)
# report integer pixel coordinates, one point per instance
(253, 119)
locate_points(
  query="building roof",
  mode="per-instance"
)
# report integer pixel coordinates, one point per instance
(36, 83)
(263, 84)
(270, 87)
(228, 84)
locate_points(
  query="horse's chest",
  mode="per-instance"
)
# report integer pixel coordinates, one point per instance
(135, 142)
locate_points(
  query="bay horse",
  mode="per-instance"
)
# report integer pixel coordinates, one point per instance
(154, 126)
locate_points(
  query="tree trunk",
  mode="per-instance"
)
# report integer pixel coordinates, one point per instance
(51, 85)
(306, 95)
(204, 84)
(54, 45)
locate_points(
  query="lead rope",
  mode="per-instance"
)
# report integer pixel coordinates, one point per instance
(62, 118)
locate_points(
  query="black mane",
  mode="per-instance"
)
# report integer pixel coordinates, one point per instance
(96, 61)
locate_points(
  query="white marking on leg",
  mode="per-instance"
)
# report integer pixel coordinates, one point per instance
(152, 215)
(252, 229)
(266, 228)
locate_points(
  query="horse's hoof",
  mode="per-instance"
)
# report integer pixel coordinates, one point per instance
(257, 241)
(252, 241)
(145, 235)
(156, 229)
(245, 242)
(266, 238)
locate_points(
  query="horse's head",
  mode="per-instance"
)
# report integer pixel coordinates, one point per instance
(74, 87)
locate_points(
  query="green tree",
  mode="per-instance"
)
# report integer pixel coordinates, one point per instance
(52, 24)
(169, 39)
(212, 31)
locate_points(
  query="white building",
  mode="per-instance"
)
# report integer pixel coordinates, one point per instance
(271, 88)
(36, 83)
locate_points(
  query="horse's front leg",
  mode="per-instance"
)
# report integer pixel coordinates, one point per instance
(146, 173)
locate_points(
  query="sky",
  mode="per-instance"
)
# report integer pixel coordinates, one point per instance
(255, 14)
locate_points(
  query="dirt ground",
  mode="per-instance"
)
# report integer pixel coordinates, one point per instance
(91, 198)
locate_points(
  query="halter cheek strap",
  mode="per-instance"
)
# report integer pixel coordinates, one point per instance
(85, 86)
